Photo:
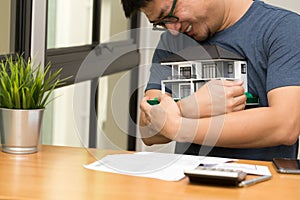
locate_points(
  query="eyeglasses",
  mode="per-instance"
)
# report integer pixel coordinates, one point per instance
(169, 19)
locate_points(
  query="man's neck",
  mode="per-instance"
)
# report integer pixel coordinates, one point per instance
(234, 11)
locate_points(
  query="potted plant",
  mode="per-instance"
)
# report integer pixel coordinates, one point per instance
(25, 90)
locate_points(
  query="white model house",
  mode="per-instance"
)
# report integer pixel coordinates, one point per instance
(193, 67)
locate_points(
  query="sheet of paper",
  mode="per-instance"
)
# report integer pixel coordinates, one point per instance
(164, 166)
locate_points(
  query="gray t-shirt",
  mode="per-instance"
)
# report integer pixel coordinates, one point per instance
(268, 38)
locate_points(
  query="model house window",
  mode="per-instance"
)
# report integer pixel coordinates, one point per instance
(230, 68)
(184, 90)
(209, 70)
(243, 69)
(185, 72)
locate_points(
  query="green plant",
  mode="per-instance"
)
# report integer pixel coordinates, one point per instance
(25, 86)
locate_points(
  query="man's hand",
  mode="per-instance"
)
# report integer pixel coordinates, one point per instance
(163, 118)
(149, 135)
(216, 97)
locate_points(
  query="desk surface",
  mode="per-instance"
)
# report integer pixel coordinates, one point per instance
(58, 173)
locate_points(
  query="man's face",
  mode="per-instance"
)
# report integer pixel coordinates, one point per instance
(198, 18)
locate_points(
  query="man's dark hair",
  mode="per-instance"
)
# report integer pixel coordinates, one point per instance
(132, 6)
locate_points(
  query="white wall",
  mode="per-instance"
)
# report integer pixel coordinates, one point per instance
(68, 128)
(293, 5)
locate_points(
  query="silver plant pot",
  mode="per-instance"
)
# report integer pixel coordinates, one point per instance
(20, 130)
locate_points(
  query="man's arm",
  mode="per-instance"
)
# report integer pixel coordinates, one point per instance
(278, 124)
(214, 98)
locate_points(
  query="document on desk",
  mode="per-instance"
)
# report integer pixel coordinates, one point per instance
(164, 166)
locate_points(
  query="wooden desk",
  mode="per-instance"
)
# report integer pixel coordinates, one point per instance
(58, 173)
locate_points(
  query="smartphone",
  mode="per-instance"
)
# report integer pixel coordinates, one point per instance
(287, 165)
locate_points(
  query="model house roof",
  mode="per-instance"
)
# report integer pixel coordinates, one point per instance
(204, 52)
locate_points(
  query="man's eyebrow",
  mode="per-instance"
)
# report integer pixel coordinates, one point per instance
(161, 14)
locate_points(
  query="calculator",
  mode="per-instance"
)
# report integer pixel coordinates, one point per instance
(215, 176)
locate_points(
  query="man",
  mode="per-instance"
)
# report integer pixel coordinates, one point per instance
(268, 37)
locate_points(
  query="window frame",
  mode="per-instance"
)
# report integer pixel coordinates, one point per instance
(70, 58)
(21, 15)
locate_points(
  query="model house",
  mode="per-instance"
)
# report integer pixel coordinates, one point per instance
(193, 67)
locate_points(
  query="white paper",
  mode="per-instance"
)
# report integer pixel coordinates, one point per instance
(164, 166)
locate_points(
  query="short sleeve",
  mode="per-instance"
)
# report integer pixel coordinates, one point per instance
(284, 54)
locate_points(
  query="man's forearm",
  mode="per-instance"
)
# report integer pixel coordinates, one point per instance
(252, 128)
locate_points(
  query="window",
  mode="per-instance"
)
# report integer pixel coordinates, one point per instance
(100, 30)
(7, 14)
(72, 36)
(67, 28)
(74, 28)
(15, 16)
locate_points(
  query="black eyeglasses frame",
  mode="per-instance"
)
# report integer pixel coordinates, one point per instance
(168, 19)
